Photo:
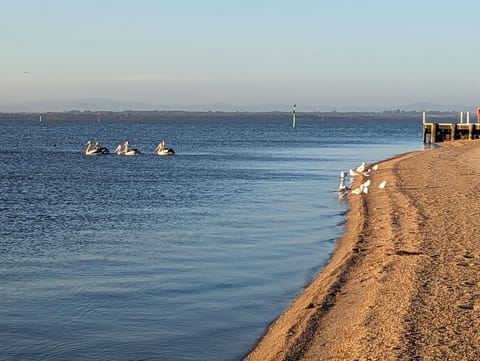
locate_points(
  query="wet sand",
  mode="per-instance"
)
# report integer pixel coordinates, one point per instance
(404, 281)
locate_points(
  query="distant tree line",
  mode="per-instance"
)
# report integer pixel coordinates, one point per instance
(199, 115)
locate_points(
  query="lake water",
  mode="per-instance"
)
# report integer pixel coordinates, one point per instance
(187, 257)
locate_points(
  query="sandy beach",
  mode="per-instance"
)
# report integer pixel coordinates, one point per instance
(404, 280)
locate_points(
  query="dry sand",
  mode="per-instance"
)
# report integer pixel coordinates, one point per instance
(404, 281)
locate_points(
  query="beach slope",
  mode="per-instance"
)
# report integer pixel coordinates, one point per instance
(404, 280)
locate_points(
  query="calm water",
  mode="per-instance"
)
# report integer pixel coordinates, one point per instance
(187, 257)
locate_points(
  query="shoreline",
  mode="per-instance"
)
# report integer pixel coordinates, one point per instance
(404, 279)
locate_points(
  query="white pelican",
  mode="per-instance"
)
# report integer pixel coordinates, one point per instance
(162, 150)
(89, 151)
(97, 149)
(101, 149)
(127, 151)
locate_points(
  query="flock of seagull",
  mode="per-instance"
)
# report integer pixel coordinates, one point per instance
(124, 149)
(362, 170)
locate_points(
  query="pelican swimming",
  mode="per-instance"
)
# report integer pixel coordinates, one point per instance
(162, 150)
(101, 149)
(118, 149)
(97, 149)
(127, 151)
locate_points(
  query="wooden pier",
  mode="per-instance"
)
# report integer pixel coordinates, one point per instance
(440, 132)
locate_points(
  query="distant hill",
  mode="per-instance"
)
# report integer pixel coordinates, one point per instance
(86, 104)
(437, 107)
(106, 104)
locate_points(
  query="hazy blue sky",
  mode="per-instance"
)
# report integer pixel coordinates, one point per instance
(244, 52)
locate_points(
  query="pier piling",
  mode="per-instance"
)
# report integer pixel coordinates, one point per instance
(440, 132)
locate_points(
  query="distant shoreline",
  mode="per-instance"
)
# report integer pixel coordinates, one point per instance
(168, 114)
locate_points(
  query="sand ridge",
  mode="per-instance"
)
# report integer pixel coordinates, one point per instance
(404, 280)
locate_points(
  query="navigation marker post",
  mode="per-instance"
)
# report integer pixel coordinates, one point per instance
(293, 116)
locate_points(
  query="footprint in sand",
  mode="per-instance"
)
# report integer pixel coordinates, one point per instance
(468, 307)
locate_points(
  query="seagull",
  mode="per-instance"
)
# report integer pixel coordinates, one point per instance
(363, 188)
(342, 188)
(382, 185)
(358, 190)
(352, 172)
(361, 168)
(356, 172)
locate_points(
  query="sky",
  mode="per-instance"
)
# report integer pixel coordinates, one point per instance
(316, 53)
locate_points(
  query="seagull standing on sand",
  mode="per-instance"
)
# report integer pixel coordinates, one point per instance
(342, 188)
(361, 168)
(363, 188)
